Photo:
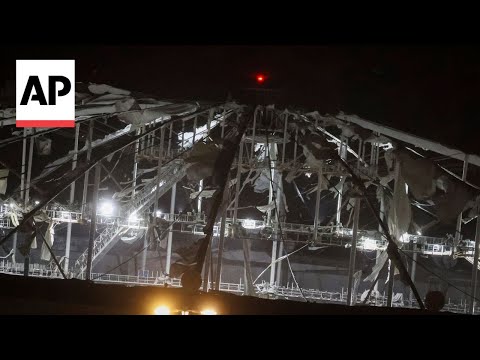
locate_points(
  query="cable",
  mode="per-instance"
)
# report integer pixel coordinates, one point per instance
(279, 259)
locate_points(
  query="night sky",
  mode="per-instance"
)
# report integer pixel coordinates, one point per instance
(430, 91)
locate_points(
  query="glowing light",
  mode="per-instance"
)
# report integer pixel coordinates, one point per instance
(106, 208)
(419, 232)
(133, 217)
(369, 244)
(405, 238)
(308, 174)
(158, 213)
(260, 78)
(208, 312)
(12, 204)
(249, 224)
(162, 310)
(37, 202)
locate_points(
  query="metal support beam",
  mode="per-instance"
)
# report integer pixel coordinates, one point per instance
(170, 233)
(135, 164)
(89, 154)
(458, 228)
(471, 309)
(144, 253)
(279, 265)
(93, 221)
(317, 203)
(285, 132)
(26, 264)
(220, 250)
(169, 149)
(206, 268)
(159, 170)
(414, 270)
(273, 194)
(391, 269)
(237, 184)
(72, 198)
(223, 123)
(29, 171)
(274, 259)
(272, 155)
(353, 250)
(24, 157)
(295, 146)
(199, 200)
(257, 109)
(183, 135)
(343, 154)
(14, 248)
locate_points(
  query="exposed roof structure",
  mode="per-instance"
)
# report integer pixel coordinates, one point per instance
(272, 190)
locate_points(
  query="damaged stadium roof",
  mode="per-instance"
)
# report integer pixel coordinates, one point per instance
(290, 189)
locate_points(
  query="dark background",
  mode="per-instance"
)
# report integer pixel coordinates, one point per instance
(428, 90)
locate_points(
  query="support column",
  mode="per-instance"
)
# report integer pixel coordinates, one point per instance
(412, 275)
(135, 164)
(353, 251)
(458, 228)
(170, 140)
(279, 219)
(295, 147)
(159, 170)
(93, 221)
(144, 253)
(471, 309)
(343, 154)
(183, 135)
(26, 264)
(391, 274)
(285, 131)
(382, 217)
(24, 157)
(279, 267)
(29, 171)
(206, 267)
(220, 248)
(72, 198)
(85, 179)
(390, 263)
(170, 233)
(199, 200)
(316, 221)
(14, 248)
(257, 109)
(272, 149)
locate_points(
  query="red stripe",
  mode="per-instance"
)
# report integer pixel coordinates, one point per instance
(46, 123)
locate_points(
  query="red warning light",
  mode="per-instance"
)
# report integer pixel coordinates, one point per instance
(260, 78)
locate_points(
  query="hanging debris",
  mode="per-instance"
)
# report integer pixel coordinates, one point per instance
(49, 238)
(453, 198)
(419, 174)
(3, 180)
(202, 158)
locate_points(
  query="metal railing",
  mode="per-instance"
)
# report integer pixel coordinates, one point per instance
(262, 290)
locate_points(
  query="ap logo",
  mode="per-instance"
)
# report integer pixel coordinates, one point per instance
(45, 93)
